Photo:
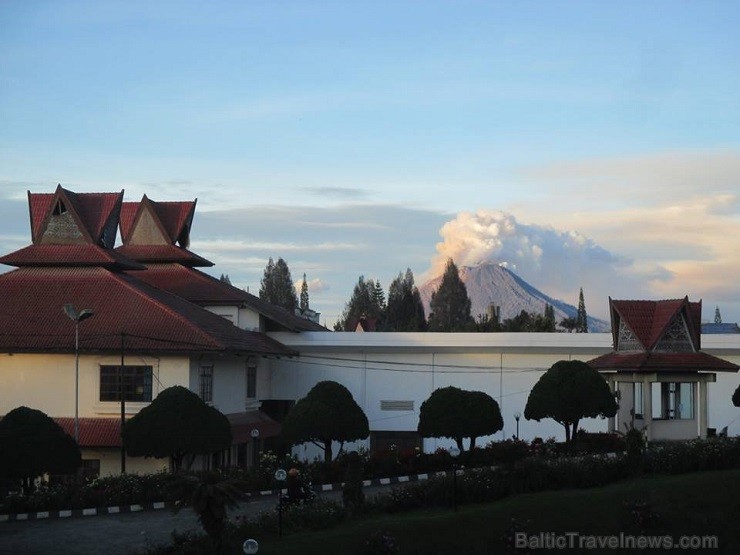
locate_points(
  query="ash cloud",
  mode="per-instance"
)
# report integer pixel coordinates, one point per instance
(557, 262)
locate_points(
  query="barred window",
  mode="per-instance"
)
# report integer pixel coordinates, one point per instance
(137, 383)
(206, 383)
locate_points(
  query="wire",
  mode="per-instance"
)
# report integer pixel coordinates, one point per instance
(427, 369)
(417, 364)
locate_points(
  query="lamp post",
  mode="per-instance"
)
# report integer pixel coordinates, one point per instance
(454, 453)
(280, 476)
(77, 317)
(517, 416)
(255, 433)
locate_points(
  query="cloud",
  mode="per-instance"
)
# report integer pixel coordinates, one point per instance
(558, 262)
(344, 193)
(235, 246)
(604, 183)
(315, 286)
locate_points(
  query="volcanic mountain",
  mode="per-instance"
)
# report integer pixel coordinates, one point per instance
(491, 284)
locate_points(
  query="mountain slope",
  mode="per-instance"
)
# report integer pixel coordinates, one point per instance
(488, 283)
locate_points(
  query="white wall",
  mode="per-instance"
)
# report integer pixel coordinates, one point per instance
(409, 366)
(403, 367)
(47, 382)
(244, 318)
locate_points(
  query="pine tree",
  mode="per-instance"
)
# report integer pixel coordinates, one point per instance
(404, 311)
(304, 295)
(277, 286)
(225, 278)
(717, 316)
(550, 315)
(378, 296)
(267, 285)
(450, 305)
(581, 316)
(363, 303)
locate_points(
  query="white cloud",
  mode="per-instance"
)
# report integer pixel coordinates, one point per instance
(555, 261)
(315, 286)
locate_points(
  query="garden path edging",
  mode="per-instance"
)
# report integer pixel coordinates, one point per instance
(159, 505)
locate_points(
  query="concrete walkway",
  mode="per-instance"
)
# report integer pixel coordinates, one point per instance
(120, 534)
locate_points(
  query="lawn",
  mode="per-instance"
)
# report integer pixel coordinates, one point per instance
(702, 503)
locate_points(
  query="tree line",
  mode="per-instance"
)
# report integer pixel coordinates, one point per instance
(403, 311)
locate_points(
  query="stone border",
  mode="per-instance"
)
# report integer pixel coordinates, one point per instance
(70, 513)
(123, 509)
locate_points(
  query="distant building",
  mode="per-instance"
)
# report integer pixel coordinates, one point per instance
(657, 368)
(720, 328)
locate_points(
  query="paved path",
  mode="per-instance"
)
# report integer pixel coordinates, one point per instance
(121, 534)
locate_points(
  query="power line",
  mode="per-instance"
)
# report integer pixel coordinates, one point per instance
(427, 369)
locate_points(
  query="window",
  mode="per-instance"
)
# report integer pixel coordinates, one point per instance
(637, 402)
(137, 383)
(673, 401)
(251, 376)
(396, 405)
(206, 383)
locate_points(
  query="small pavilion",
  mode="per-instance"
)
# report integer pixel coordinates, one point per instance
(657, 370)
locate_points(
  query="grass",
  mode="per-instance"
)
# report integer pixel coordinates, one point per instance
(703, 503)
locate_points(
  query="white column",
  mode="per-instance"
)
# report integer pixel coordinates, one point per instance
(702, 408)
(610, 383)
(647, 399)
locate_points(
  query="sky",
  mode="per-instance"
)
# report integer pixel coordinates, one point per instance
(581, 144)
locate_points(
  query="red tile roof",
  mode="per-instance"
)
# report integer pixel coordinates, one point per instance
(648, 320)
(69, 255)
(94, 432)
(126, 221)
(96, 209)
(162, 253)
(176, 217)
(242, 424)
(200, 288)
(39, 206)
(154, 321)
(106, 432)
(657, 362)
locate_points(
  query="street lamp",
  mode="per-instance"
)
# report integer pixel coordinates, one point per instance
(454, 453)
(517, 416)
(250, 546)
(280, 476)
(77, 317)
(255, 433)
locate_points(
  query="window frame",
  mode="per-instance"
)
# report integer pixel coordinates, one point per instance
(109, 387)
(205, 383)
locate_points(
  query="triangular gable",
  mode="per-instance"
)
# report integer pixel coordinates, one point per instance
(75, 218)
(676, 337)
(157, 223)
(147, 229)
